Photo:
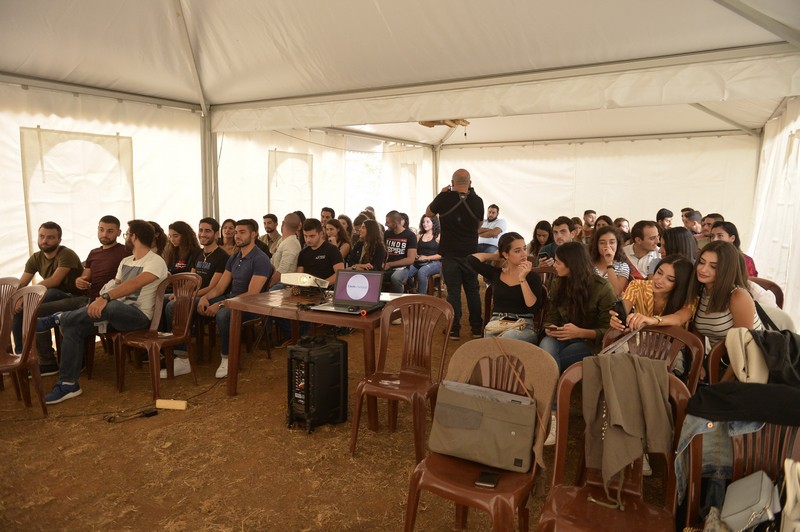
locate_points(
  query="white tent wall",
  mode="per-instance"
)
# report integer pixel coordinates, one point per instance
(777, 229)
(166, 164)
(632, 179)
(346, 173)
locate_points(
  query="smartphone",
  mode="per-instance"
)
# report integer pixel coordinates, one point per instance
(622, 314)
(541, 256)
(487, 479)
(551, 328)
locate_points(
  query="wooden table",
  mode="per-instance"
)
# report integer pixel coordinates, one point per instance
(282, 304)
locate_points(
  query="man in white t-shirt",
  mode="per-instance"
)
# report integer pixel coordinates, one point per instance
(126, 302)
(644, 249)
(490, 231)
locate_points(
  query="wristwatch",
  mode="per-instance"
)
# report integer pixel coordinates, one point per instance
(106, 297)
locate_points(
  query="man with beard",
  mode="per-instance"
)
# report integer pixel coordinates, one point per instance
(59, 268)
(246, 272)
(209, 265)
(126, 303)
(271, 237)
(490, 231)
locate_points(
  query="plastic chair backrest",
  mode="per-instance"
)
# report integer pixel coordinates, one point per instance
(8, 285)
(665, 343)
(773, 287)
(547, 273)
(31, 297)
(420, 315)
(158, 309)
(184, 287)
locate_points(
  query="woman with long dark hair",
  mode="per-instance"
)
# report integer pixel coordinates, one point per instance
(226, 232)
(347, 225)
(369, 253)
(516, 290)
(667, 292)
(159, 239)
(338, 236)
(428, 261)
(542, 235)
(578, 317)
(676, 241)
(181, 252)
(727, 231)
(605, 249)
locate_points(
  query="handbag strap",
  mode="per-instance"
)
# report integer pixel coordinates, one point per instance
(765, 319)
(618, 342)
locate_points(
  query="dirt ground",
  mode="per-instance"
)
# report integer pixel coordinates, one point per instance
(225, 463)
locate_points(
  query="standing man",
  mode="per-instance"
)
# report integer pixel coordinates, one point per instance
(459, 210)
(401, 250)
(246, 273)
(126, 303)
(490, 230)
(644, 248)
(326, 215)
(271, 235)
(59, 267)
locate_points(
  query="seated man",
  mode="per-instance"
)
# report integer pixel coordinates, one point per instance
(644, 248)
(319, 258)
(271, 235)
(564, 231)
(246, 272)
(285, 258)
(401, 250)
(59, 267)
(102, 263)
(127, 303)
(209, 265)
(490, 230)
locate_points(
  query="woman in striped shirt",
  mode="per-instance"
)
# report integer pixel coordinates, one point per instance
(609, 259)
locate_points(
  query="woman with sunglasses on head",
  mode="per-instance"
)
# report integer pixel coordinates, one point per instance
(516, 290)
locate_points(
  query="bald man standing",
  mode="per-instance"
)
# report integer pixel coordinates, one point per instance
(460, 213)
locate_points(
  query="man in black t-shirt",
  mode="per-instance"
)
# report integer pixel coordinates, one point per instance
(319, 258)
(401, 250)
(460, 213)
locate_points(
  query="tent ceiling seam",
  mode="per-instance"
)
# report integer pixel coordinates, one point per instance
(763, 50)
(372, 136)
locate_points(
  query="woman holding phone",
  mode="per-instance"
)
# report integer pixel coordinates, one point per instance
(580, 300)
(542, 235)
(515, 288)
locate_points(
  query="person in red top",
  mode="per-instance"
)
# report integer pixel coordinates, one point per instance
(102, 263)
(727, 231)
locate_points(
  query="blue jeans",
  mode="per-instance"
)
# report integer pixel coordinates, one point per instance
(422, 273)
(566, 352)
(527, 334)
(77, 326)
(398, 278)
(457, 273)
(223, 319)
(55, 300)
(487, 248)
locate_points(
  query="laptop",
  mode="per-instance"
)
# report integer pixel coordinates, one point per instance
(355, 292)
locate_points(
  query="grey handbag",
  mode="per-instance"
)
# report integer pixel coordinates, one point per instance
(749, 501)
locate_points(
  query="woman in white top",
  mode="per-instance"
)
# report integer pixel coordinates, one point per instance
(608, 259)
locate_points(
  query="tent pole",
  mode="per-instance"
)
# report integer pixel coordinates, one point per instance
(208, 156)
(436, 152)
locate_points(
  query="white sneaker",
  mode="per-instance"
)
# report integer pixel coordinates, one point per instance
(551, 437)
(222, 370)
(646, 469)
(181, 366)
(398, 321)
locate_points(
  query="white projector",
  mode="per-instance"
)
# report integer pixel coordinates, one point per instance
(303, 279)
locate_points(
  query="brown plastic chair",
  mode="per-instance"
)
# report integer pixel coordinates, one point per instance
(18, 366)
(773, 287)
(115, 337)
(8, 285)
(764, 450)
(665, 343)
(567, 506)
(414, 383)
(454, 478)
(184, 288)
(715, 359)
(435, 285)
(547, 273)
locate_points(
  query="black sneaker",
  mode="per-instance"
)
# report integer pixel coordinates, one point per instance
(62, 392)
(48, 369)
(454, 335)
(477, 333)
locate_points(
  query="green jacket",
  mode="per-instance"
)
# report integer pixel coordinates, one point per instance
(601, 300)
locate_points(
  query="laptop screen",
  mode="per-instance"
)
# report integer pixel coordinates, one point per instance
(357, 288)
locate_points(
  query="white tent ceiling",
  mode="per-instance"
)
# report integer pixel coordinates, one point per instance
(518, 70)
